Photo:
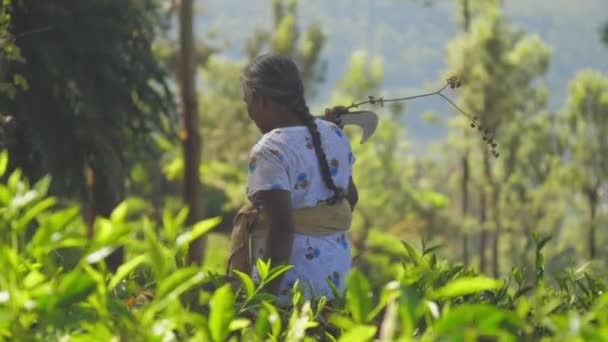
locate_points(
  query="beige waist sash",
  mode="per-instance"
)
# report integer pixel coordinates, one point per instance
(321, 220)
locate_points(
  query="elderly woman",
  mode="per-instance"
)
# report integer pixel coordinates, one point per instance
(300, 184)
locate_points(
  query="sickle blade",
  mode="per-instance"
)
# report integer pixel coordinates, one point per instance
(367, 120)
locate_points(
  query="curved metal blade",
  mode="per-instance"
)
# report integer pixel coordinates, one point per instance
(367, 120)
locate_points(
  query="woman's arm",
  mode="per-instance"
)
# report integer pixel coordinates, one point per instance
(277, 208)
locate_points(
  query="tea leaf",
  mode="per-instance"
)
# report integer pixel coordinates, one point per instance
(125, 269)
(221, 313)
(358, 296)
(199, 229)
(3, 162)
(467, 285)
(247, 282)
(360, 333)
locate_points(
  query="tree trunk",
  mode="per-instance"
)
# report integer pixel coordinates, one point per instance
(495, 193)
(497, 232)
(105, 193)
(464, 186)
(465, 205)
(484, 233)
(190, 135)
(592, 198)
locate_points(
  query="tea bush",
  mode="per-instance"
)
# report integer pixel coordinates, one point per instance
(54, 286)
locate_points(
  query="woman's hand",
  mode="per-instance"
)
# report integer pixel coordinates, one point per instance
(333, 115)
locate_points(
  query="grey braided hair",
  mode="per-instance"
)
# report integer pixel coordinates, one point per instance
(277, 77)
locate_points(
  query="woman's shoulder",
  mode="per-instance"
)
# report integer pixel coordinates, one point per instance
(332, 130)
(274, 140)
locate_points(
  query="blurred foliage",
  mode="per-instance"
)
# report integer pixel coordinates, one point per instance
(154, 296)
(99, 89)
(78, 86)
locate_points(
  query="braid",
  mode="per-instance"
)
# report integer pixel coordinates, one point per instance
(278, 78)
(302, 111)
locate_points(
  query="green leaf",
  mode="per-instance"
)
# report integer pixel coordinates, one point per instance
(198, 230)
(221, 313)
(247, 282)
(274, 319)
(414, 256)
(119, 214)
(74, 287)
(13, 180)
(34, 211)
(358, 296)
(239, 324)
(3, 162)
(125, 269)
(360, 333)
(487, 319)
(389, 292)
(33, 279)
(173, 281)
(5, 195)
(263, 268)
(467, 285)
(409, 304)
(177, 284)
(277, 271)
(543, 242)
(42, 186)
(182, 215)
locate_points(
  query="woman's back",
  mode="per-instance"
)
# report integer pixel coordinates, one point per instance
(285, 159)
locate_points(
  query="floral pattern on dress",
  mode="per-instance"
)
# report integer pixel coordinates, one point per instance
(334, 278)
(309, 144)
(252, 164)
(333, 167)
(302, 181)
(337, 130)
(312, 252)
(278, 154)
(342, 241)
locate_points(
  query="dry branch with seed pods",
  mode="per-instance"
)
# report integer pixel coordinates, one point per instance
(452, 82)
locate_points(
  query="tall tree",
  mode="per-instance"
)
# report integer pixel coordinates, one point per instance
(98, 91)
(190, 135)
(500, 87)
(464, 159)
(586, 119)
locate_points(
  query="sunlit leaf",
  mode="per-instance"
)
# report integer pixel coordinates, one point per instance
(263, 268)
(119, 214)
(125, 269)
(467, 285)
(74, 287)
(358, 296)
(221, 313)
(360, 333)
(3, 162)
(199, 229)
(35, 210)
(247, 282)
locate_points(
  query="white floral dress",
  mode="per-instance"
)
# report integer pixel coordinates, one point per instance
(285, 159)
